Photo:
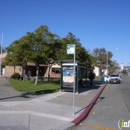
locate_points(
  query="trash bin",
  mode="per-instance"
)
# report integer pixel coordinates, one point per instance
(102, 79)
(84, 82)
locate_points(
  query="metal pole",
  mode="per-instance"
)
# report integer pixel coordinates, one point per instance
(1, 56)
(74, 83)
(107, 62)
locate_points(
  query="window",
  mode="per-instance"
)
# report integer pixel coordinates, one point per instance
(114, 75)
(56, 70)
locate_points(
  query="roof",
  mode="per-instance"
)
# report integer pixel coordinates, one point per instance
(78, 62)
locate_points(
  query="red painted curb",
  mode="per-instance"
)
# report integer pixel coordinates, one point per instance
(88, 108)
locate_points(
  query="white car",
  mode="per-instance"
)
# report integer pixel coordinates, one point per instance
(115, 78)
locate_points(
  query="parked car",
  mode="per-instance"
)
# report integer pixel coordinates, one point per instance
(115, 78)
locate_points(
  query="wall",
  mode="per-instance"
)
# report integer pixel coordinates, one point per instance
(51, 73)
(9, 70)
(96, 71)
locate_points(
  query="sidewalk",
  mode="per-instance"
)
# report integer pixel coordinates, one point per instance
(48, 112)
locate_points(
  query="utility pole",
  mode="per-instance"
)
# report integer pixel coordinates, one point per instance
(107, 62)
(1, 56)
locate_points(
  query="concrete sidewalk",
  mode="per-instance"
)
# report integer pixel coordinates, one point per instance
(48, 112)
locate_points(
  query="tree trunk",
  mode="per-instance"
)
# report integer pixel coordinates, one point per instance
(24, 67)
(23, 74)
(49, 73)
(37, 72)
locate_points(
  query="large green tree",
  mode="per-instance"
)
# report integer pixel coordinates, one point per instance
(38, 47)
(44, 48)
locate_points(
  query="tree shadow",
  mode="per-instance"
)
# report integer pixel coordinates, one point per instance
(96, 85)
(45, 82)
(30, 95)
(45, 91)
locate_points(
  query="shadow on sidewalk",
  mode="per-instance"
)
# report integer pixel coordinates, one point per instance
(96, 85)
(25, 96)
(88, 88)
(100, 99)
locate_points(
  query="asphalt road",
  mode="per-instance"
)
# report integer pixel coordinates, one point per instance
(125, 90)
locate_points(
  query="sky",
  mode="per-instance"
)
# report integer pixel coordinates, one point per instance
(98, 23)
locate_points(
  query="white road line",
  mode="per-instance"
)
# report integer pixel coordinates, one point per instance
(38, 114)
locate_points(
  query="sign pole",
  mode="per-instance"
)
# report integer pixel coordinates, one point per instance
(74, 84)
(1, 56)
(71, 50)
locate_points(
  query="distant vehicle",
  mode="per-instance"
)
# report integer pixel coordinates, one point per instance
(106, 78)
(115, 78)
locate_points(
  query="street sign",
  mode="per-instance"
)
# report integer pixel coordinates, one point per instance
(70, 48)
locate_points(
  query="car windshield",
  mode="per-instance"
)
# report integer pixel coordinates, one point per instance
(115, 75)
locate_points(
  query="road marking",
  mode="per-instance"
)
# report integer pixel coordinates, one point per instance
(94, 127)
(38, 114)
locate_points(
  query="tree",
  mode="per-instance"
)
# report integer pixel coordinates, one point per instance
(113, 66)
(81, 53)
(54, 50)
(38, 47)
(18, 54)
(44, 48)
(100, 55)
(23, 52)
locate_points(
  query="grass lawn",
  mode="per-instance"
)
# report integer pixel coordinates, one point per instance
(30, 87)
(97, 77)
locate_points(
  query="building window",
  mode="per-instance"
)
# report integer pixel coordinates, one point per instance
(56, 70)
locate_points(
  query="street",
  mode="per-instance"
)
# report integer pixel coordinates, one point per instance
(125, 90)
(113, 105)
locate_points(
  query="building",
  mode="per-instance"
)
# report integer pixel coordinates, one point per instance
(96, 71)
(2, 56)
(121, 67)
(44, 70)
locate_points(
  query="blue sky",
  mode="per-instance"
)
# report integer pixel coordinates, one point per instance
(98, 23)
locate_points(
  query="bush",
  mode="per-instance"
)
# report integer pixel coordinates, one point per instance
(15, 76)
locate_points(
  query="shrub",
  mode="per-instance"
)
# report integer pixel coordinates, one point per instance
(15, 76)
